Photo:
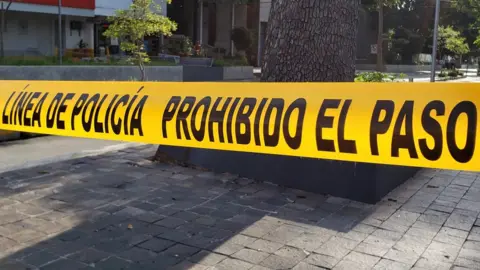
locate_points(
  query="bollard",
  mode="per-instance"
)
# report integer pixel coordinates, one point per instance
(410, 79)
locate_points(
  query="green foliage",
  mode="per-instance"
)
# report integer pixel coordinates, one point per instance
(131, 26)
(450, 73)
(242, 38)
(451, 40)
(378, 77)
(231, 61)
(186, 46)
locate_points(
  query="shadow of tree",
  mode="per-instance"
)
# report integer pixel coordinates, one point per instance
(122, 211)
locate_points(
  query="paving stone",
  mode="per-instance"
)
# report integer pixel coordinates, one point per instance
(432, 264)
(461, 222)
(241, 239)
(180, 251)
(188, 265)
(40, 258)
(207, 258)
(404, 257)
(337, 247)
(149, 217)
(309, 241)
(306, 266)
(265, 246)
(26, 235)
(171, 222)
(260, 228)
(385, 264)
(230, 263)
(442, 252)
(250, 255)
(64, 264)
(225, 248)
(372, 249)
(89, 256)
(284, 234)
(292, 252)
(431, 216)
(362, 259)
(113, 263)
(451, 236)
(467, 263)
(412, 244)
(322, 260)
(469, 254)
(259, 267)
(14, 266)
(137, 255)
(278, 262)
(347, 265)
(156, 244)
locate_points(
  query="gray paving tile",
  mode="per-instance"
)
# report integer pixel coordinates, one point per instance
(113, 214)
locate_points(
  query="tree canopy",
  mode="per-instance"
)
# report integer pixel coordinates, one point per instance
(140, 20)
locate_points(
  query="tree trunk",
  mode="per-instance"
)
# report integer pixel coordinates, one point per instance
(311, 41)
(380, 37)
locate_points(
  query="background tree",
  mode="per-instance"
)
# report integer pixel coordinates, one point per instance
(131, 26)
(450, 41)
(311, 41)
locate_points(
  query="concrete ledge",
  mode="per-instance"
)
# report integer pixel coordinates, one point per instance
(199, 74)
(6, 135)
(397, 68)
(126, 73)
(362, 182)
(90, 73)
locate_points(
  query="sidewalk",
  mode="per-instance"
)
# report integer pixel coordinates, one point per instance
(121, 211)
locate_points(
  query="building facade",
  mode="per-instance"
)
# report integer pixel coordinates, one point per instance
(31, 26)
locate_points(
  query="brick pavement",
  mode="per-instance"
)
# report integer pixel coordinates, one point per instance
(120, 211)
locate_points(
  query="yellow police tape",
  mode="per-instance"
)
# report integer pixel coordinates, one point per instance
(426, 125)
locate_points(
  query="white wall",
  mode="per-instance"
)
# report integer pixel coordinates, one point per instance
(265, 6)
(73, 37)
(108, 7)
(224, 23)
(35, 37)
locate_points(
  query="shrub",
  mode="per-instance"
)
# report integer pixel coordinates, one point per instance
(378, 77)
(453, 73)
(242, 38)
(442, 74)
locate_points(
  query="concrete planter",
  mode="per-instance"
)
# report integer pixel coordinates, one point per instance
(199, 74)
(362, 182)
(89, 73)
(127, 73)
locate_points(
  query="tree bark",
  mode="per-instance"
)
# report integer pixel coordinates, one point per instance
(380, 37)
(311, 41)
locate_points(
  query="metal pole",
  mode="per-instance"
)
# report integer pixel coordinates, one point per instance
(200, 24)
(60, 36)
(435, 39)
(232, 26)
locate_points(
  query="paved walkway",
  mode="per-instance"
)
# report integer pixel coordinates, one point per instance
(121, 211)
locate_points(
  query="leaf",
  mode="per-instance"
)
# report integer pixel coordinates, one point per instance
(132, 25)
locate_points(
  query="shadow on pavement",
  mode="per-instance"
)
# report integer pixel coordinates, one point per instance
(121, 211)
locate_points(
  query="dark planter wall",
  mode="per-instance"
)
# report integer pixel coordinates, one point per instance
(357, 181)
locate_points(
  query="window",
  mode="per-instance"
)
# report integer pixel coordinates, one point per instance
(23, 27)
